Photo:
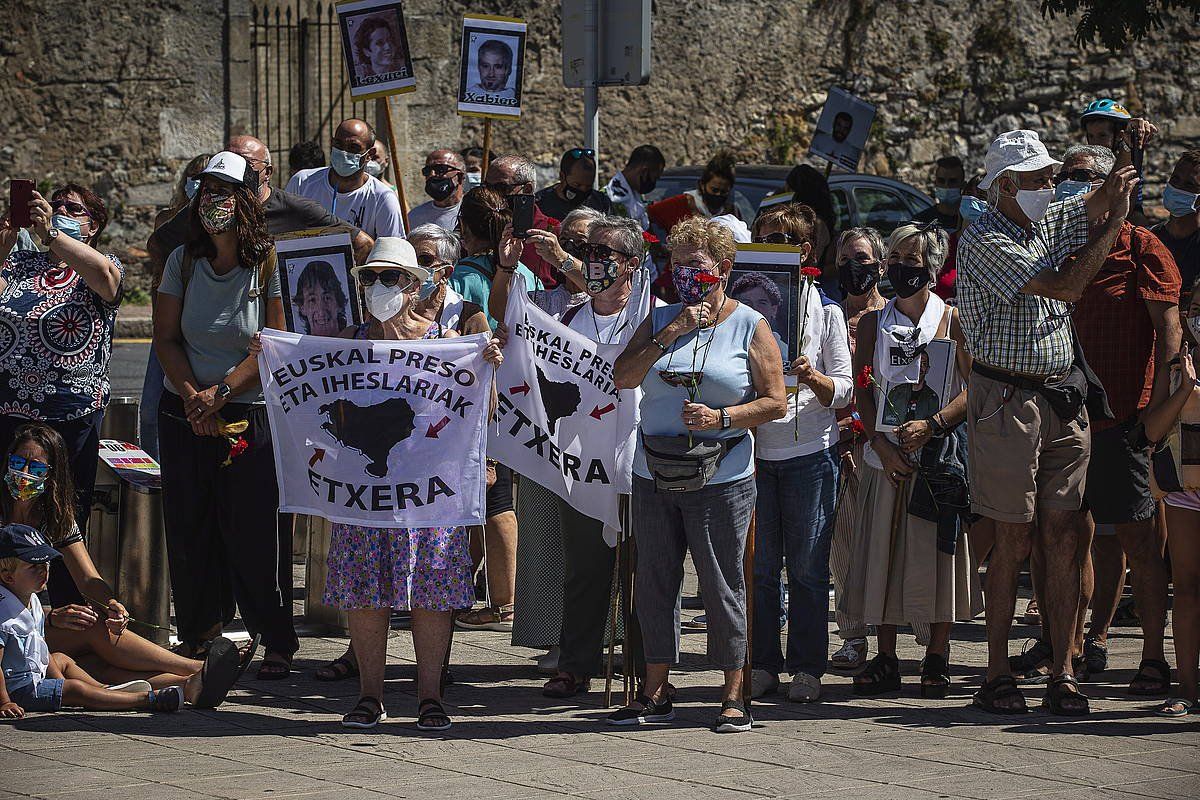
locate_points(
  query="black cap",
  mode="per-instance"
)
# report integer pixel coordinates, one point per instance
(25, 543)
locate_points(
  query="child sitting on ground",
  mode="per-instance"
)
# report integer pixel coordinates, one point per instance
(31, 677)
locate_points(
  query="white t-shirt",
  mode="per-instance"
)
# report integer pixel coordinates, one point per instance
(777, 440)
(23, 636)
(372, 207)
(430, 214)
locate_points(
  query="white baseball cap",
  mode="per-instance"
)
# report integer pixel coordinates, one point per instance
(393, 252)
(1020, 151)
(231, 168)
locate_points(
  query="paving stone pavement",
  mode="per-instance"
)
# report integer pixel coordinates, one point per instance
(282, 739)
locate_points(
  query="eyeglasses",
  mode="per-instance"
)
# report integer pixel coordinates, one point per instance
(780, 238)
(388, 277)
(503, 188)
(429, 262)
(686, 380)
(438, 169)
(582, 152)
(1081, 175)
(71, 207)
(31, 466)
(600, 252)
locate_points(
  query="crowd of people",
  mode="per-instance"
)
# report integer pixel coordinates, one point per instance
(1004, 380)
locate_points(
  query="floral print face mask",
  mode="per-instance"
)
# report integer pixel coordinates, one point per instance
(693, 284)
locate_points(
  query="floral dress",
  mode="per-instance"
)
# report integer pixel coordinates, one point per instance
(399, 568)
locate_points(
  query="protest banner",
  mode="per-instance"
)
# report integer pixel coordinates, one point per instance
(560, 419)
(842, 129)
(383, 433)
(319, 296)
(375, 46)
(491, 67)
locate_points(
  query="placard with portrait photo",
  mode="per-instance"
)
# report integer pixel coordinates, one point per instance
(906, 401)
(319, 296)
(492, 66)
(766, 277)
(375, 44)
(842, 129)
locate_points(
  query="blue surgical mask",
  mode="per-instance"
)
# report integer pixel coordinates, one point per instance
(373, 168)
(429, 286)
(70, 227)
(971, 207)
(946, 196)
(474, 179)
(1068, 189)
(191, 187)
(1179, 203)
(343, 163)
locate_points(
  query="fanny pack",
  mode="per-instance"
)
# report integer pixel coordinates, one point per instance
(678, 466)
(1066, 395)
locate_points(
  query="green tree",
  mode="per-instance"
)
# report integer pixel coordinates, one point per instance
(1116, 23)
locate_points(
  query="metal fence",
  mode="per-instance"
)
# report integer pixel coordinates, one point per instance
(301, 88)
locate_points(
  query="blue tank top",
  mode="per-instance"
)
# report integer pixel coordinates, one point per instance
(726, 382)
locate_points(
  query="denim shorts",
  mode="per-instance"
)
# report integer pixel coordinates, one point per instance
(47, 695)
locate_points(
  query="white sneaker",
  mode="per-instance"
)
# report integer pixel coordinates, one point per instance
(804, 689)
(763, 683)
(547, 663)
(131, 687)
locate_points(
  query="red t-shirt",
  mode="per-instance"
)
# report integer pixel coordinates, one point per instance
(1114, 326)
(944, 288)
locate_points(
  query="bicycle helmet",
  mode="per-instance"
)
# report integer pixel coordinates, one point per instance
(1107, 108)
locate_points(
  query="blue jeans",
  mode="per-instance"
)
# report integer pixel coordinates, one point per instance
(47, 695)
(795, 515)
(152, 389)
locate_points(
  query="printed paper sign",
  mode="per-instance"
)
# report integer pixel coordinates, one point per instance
(383, 433)
(492, 66)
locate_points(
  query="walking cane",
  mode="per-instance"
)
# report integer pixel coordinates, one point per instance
(628, 679)
(613, 610)
(748, 573)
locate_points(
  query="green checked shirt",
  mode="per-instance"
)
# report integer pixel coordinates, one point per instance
(1005, 327)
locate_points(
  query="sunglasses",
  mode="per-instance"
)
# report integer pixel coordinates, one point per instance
(780, 238)
(582, 152)
(388, 277)
(438, 169)
(70, 206)
(503, 188)
(30, 466)
(686, 380)
(1081, 175)
(600, 252)
(573, 247)
(432, 263)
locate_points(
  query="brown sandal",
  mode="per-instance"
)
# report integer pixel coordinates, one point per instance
(489, 618)
(564, 685)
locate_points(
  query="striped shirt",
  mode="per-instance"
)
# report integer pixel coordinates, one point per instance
(1005, 327)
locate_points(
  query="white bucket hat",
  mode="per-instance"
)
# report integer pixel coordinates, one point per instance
(393, 252)
(1020, 151)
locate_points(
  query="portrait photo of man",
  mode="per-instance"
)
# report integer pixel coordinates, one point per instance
(321, 301)
(493, 70)
(493, 54)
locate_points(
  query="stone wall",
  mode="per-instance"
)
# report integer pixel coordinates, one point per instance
(120, 94)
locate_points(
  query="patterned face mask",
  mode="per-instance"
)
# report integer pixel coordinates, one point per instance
(693, 284)
(216, 212)
(23, 486)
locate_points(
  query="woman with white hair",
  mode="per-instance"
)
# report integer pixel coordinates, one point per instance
(904, 566)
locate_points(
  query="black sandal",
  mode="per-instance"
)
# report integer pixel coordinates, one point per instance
(1033, 657)
(367, 713)
(881, 675)
(432, 716)
(1152, 685)
(1060, 701)
(999, 688)
(733, 724)
(935, 676)
(339, 669)
(274, 667)
(1095, 656)
(565, 685)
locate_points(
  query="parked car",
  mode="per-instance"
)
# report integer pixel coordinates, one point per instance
(869, 200)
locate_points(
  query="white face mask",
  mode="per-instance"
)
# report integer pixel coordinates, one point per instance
(1034, 202)
(385, 302)
(1193, 324)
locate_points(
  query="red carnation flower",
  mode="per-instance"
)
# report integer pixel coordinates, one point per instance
(237, 447)
(857, 427)
(649, 238)
(810, 272)
(707, 277)
(864, 377)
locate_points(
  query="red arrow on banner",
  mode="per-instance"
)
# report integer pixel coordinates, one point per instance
(318, 454)
(598, 412)
(522, 389)
(435, 427)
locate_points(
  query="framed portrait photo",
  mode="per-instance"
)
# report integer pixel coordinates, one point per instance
(492, 67)
(842, 129)
(766, 277)
(375, 45)
(905, 401)
(319, 296)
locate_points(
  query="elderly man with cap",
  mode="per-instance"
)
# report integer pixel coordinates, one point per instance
(1027, 424)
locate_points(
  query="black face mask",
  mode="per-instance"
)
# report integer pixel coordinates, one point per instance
(714, 201)
(906, 279)
(646, 184)
(573, 196)
(439, 188)
(856, 277)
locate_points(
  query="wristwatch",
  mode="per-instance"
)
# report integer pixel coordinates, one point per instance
(726, 422)
(51, 235)
(223, 390)
(566, 265)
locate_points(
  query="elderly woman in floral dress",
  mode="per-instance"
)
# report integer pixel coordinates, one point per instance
(375, 570)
